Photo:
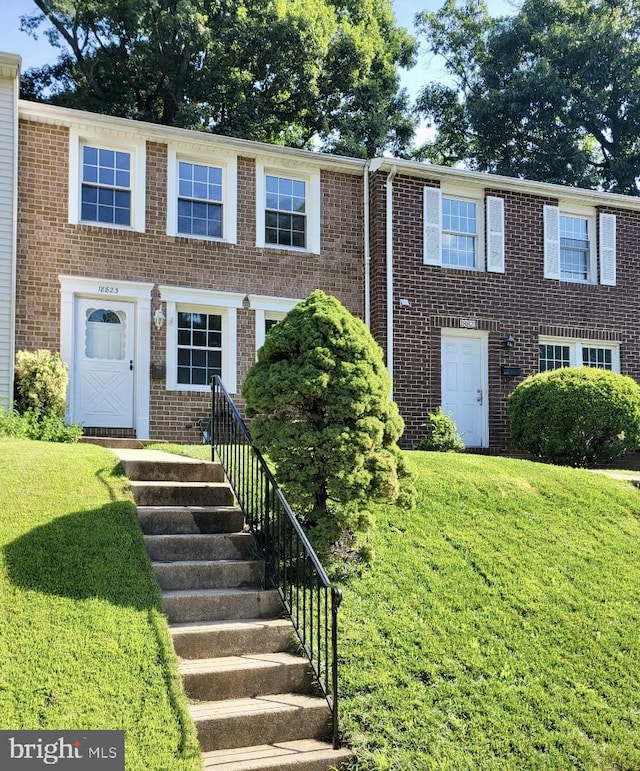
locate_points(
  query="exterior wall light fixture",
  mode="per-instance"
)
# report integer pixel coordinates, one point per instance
(158, 318)
(509, 341)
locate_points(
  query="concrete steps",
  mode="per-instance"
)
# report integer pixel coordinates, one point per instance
(302, 755)
(254, 700)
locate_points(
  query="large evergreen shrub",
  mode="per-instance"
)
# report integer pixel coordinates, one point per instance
(319, 402)
(576, 416)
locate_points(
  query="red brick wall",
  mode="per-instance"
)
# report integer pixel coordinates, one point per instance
(520, 302)
(49, 246)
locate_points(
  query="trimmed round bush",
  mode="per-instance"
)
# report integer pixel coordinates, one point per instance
(576, 416)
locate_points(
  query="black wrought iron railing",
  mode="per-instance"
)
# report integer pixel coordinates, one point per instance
(291, 565)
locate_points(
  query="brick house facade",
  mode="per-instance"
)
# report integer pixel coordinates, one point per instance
(151, 257)
(488, 303)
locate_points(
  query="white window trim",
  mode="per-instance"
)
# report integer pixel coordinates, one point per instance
(312, 204)
(229, 166)
(432, 235)
(577, 344)
(226, 305)
(266, 307)
(553, 249)
(138, 149)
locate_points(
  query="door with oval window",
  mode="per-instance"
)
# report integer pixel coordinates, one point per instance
(104, 364)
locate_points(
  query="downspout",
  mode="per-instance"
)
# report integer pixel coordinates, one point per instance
(389, 244)
(367, 248)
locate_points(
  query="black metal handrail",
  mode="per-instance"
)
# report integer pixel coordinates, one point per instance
(291, 565)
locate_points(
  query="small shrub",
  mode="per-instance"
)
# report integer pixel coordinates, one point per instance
(35, 425)
(442, 434)
(576, 416)
(41, 382)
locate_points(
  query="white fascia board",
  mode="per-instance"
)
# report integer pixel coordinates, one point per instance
(64, 116)
(562, 193)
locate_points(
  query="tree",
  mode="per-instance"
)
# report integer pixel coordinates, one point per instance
(320, 407)
(281, 71)
(551, 93)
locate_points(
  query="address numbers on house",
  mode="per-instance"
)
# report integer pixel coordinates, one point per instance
(108, 289)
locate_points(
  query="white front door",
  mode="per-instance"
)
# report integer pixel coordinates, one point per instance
(104, 363)
(464, 385)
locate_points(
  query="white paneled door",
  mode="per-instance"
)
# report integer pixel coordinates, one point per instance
(464, 384)
(104, 363)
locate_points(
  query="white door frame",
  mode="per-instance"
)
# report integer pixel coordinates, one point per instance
(135, 292)
(483, 337)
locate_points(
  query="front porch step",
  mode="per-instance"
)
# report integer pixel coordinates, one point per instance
(178, 470)
(210, 546)
(246, 676)
(225, 638)
(304, 755)
(182, 520)
(220, 604)
(182, 493)
(211, 574)
(264, 720)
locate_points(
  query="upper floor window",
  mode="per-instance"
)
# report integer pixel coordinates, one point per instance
(575, 248)
(106, 182)
(288, 208)
(106, 186)
(571, 250)
(285, 218)
(557, 353)
(459, 233)
(199, 200)
(454, 230)
(202, 196)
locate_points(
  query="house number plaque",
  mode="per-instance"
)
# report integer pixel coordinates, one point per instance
(468, 323)
(108, 289)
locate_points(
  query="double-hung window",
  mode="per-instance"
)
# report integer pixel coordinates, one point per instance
(201, 194)
(285, 218)
(561, 352)
(199, 347)
(106, 186)
(288, 208)
(578, 246)
(199, 200)
(459, 233)
(454, 229)
(106, 181)
(202, 333)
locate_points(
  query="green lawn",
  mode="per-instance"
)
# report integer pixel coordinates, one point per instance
(499, 626)
(83, 641)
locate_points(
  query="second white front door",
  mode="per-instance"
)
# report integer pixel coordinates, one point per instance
(464, 384)
(104, 372)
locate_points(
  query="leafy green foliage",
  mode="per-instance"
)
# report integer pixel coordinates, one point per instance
(319, 401)
(550, 93)
(576, 416)
(442, 434)
(41, 384)
(33, 424)
(280, 72)
(497, 628)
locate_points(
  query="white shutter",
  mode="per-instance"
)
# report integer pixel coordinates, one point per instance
(551, 242)
(608, 249)
(495, 234)
(432, 231)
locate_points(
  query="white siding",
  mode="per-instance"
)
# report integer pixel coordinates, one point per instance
(8, 181)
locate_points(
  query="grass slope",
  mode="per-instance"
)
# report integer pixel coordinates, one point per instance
(83, 641)
(498, 627)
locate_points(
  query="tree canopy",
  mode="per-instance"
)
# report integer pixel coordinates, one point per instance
(551, 93)
(319, 399)
(280, 71)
